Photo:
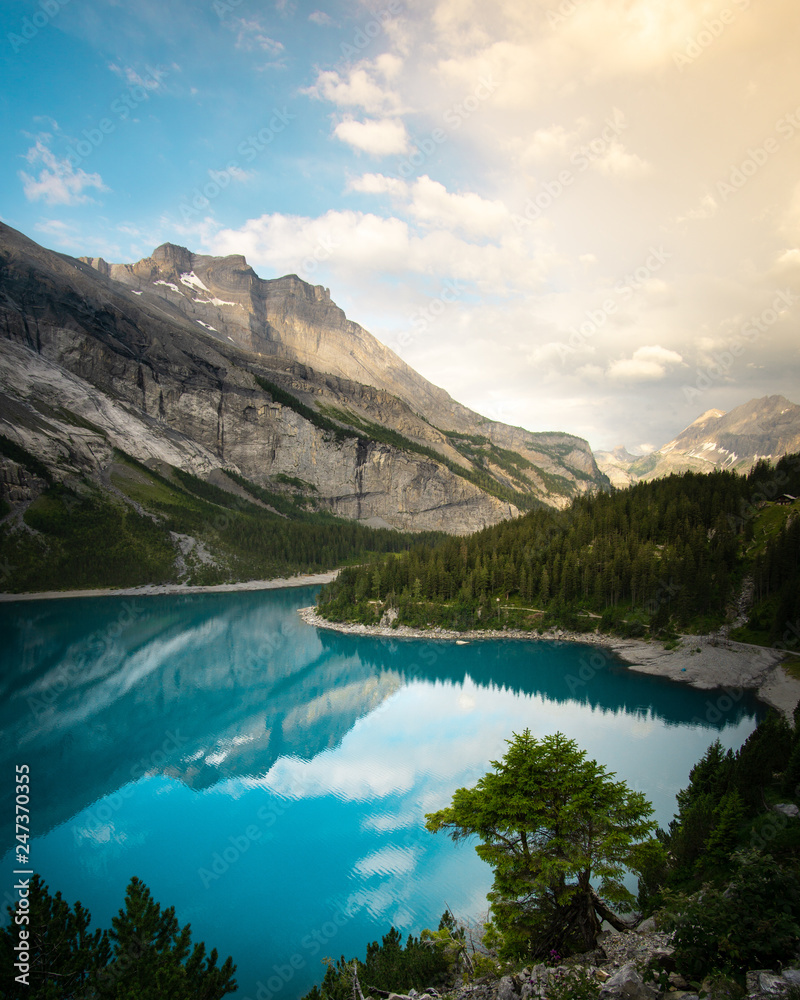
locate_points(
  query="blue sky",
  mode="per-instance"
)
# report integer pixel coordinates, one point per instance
(580, 215)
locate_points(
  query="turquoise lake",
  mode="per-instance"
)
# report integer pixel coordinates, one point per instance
(270, 779)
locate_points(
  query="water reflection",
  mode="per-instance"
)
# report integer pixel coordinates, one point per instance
(270, 780)
(204, 688)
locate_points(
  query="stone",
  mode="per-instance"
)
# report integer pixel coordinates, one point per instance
(161, 356)
(765, 982)
(627, 984)
(507, 989)
(787, 808)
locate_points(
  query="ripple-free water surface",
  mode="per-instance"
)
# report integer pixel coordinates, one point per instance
(270, 779)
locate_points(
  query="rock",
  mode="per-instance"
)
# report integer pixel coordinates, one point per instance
(627, 984)
(161, 356)
(646, 926)
(765, 983)
(508, 989)
(665, 959)
(792, 976)
(787, 808)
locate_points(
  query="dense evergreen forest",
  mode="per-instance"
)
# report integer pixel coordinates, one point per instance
(661, 556)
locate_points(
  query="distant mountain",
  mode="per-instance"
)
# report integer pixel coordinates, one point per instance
(762, 428)
(194, 362)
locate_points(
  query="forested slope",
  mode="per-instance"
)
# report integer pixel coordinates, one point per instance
(663, 555)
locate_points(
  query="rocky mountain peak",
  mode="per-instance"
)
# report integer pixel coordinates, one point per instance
(172, 256)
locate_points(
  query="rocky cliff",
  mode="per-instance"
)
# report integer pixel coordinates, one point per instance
(761, 428)
(196, 362)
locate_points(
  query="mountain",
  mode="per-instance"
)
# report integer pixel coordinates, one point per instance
(194, 363)
(762, 428)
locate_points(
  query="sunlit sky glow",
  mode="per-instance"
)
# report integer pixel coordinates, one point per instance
(578, 215)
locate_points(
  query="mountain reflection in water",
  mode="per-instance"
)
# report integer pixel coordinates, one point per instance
(158, 730)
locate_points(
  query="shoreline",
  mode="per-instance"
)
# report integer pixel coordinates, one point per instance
(706, 662)
(157, 589)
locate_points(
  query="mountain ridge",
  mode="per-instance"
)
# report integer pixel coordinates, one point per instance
(764, 428)
(202, 370)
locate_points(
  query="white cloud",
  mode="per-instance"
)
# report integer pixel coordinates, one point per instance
(706, 209)
(434, 205)
(321, 18)
(616, 161)
(364, 246)
(359, 86)
(251, 36)
(384, 137)
(152, 80)
(58, 182)
(378, 184)
(645, 363)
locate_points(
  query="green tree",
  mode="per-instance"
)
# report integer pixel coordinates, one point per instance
(145, 954)
(551, 824)
(152, 955)
(64, 953)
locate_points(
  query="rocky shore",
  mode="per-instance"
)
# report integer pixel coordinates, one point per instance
(618, 966)
(151, 589)
(708, 662)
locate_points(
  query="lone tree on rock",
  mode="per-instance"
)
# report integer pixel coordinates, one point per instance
(552, 824)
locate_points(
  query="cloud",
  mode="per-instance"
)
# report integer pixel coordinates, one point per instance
(706, 209)
(384, 137)
(616, 161)
(645, 363)
(434, 205)
(378, 184)
(152, 81)
(252, 36)
(360, 86)
(58, 182)
(321, 18)
(362, 247)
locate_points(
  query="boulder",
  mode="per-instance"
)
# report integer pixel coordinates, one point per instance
(507, 989)
(627, 984)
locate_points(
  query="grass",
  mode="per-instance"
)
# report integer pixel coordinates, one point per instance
(86, 538)
(792, 666)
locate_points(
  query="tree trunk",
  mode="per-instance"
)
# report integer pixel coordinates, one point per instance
(606, 914)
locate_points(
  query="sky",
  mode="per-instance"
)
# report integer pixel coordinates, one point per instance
(573, 215)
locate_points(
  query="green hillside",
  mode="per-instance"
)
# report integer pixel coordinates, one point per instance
(173, 527)
(658, 557)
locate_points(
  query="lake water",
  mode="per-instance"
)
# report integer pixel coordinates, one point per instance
(270, 779)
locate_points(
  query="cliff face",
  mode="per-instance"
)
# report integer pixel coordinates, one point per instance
(167, 359)
(761, 428)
